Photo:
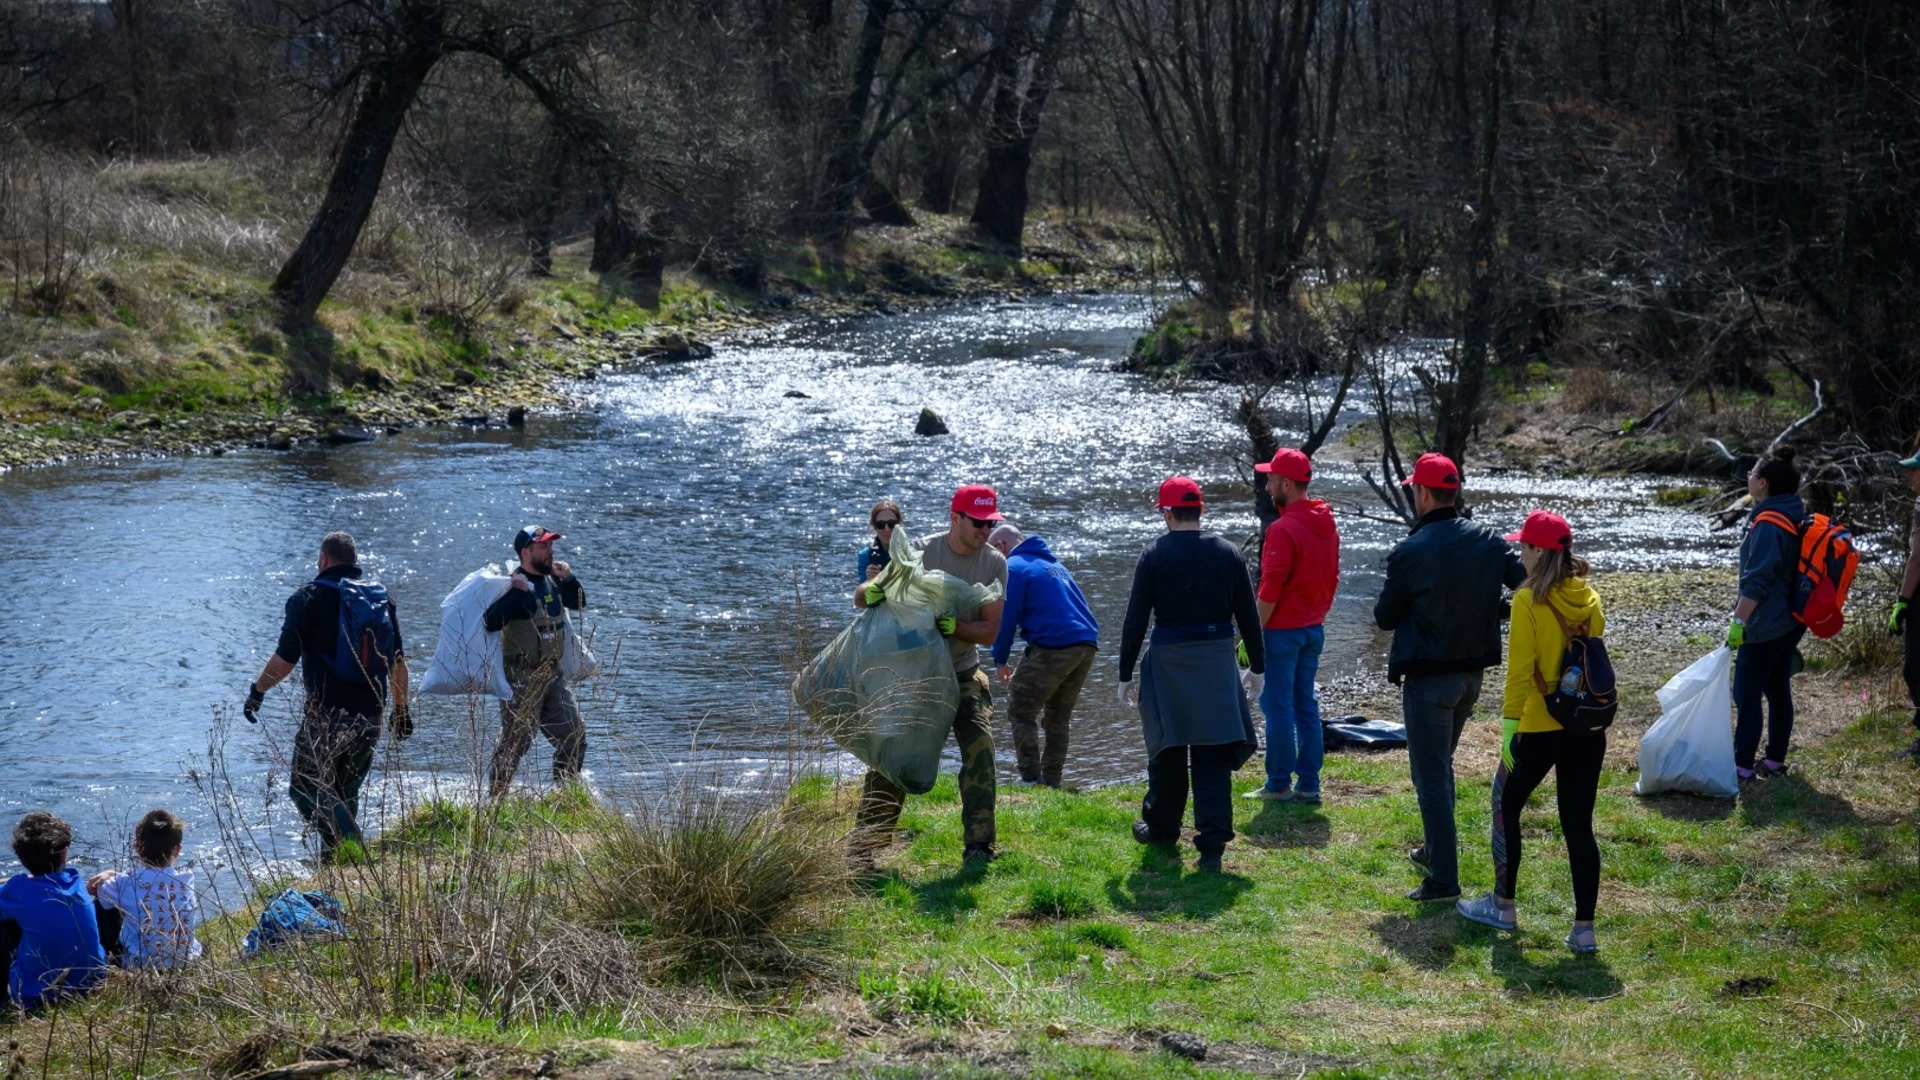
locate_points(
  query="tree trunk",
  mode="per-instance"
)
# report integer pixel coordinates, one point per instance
(882, 205)
(540, 231)
(628, 260)
(1000, 208)
(309, 273)
(846, 172)
(1459, 410)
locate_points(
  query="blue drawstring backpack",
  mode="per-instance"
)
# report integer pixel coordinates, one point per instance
(294, 915)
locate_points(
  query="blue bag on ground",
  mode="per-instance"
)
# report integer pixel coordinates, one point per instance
(293, 916)
(884, 689)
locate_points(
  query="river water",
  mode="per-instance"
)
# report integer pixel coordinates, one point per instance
(713, 519)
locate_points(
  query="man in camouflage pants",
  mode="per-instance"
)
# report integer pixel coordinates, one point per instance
(963, 552)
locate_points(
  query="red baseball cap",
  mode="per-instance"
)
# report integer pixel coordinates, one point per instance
(1434, 471)
(1181, 491)
(1289, 463)
(979, 502)
(1545, 529)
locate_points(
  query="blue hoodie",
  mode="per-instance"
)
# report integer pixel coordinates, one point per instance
(1770, 569)
(1043, 603)
(60, 949)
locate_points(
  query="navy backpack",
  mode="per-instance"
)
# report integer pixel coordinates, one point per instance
(363, 647)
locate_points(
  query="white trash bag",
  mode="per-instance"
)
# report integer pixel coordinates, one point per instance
(577, 662)
(467, 660)
(1690, 748)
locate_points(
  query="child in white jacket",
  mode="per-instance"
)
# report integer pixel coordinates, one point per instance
(156, 902)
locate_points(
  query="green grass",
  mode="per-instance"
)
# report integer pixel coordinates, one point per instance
(1068, 953)
(1306, 944)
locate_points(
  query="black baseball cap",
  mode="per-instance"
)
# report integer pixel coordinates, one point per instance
(534, 534)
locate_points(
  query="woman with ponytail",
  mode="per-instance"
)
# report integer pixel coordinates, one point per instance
(1763, 632)
(1555, 603)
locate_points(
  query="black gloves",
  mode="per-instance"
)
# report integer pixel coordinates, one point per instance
(252, 708)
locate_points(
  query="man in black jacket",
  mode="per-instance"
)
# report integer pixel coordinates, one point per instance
(531, 620)
(345, 693)
(1442, 602)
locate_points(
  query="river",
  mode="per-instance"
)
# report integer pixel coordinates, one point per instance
(713, 519)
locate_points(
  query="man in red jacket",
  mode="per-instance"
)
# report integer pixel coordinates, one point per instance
(1299, 571)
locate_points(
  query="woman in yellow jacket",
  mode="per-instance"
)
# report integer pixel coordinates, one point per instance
(1554, 599)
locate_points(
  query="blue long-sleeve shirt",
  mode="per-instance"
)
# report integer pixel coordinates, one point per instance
(1044, 603)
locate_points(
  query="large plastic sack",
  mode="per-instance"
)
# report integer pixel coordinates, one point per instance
(884, 689)
(577, 662)
(1690, 748)
(467, 660)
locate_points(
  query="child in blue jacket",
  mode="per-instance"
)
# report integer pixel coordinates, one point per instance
(48, 919)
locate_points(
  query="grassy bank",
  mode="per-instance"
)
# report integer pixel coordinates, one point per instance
(1768, 936)
(141, 320)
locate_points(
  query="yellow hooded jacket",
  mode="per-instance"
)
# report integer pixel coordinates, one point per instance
(1536, 644)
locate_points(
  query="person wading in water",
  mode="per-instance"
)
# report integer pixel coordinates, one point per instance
(344, 633)
(531, 620)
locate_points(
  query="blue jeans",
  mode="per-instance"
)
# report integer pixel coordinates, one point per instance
(1292, 709)
(1764, 671)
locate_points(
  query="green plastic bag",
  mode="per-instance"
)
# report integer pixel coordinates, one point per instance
(884, 689)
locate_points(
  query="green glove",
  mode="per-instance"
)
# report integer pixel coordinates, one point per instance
(1509, 727)
(1897, 622)
(875, 595)
(1736, 633)
(946, 625)
(1240, 653)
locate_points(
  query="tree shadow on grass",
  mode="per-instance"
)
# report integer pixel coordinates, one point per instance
(1161, 884)
(1568, 976)
(1678, 806)
(1428, 941)
(1281, 825)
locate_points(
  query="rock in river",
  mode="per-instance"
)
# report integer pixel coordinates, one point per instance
(930, 423)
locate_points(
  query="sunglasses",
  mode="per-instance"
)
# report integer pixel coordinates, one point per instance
(884, 524)
(976, 522)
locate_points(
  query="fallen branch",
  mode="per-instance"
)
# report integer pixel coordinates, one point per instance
(300, 1069)
(1819, 406)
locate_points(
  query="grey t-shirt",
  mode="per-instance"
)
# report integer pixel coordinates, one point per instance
(983, 567)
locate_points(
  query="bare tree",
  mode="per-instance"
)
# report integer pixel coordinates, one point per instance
(1000, 209)
(379, 55)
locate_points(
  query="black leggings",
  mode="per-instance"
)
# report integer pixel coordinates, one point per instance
(1575, 759)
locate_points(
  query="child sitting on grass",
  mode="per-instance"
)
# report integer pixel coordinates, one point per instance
(47, 923)
(155, 904)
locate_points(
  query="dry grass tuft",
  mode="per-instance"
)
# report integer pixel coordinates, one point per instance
(711, 886)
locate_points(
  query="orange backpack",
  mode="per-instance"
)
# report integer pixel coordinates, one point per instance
(1828, 560)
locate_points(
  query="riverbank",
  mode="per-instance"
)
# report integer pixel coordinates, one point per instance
(164, 343)
(1763, 936)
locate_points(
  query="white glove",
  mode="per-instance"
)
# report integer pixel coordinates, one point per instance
(1253, 683)
(1130, 694)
